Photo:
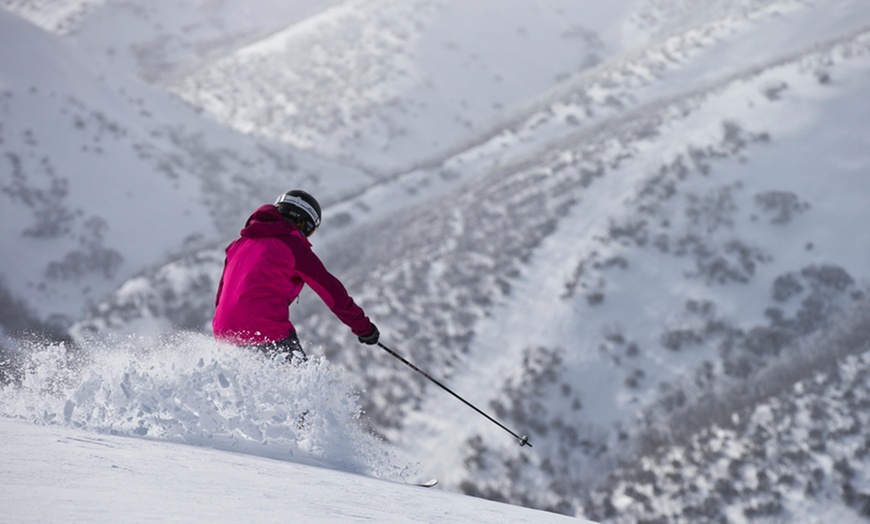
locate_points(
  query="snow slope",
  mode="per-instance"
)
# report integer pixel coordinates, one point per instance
(667, 221)
(57, 474)
(396, 84)
(184, 429)
(817, 424)
(103, 176)
(613, 288)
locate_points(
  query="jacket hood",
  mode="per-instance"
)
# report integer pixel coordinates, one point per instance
(266, 221)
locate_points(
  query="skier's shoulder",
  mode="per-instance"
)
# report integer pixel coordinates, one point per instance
(297, 242)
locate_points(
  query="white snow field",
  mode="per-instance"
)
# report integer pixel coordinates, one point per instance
(190, 431)
(58, 474)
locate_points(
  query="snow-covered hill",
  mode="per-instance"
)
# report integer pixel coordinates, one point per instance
(185, 430)
(104, 176)
(53, 474)
(795, 450)
(105, 478)
(394, 84)
(582, 222)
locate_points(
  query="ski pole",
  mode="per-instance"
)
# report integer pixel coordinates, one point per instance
(524, 440)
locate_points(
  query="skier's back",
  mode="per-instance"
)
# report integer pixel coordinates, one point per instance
(265, 270)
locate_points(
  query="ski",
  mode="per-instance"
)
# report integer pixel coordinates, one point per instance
(428, 484)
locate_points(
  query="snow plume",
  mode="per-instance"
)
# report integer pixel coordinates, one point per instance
(186, 388)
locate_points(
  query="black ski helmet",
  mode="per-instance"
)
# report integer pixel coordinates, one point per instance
(301, 208)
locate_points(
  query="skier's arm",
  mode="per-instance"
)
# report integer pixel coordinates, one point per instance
(333, 293)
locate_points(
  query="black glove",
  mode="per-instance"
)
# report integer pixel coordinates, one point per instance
(372, 337)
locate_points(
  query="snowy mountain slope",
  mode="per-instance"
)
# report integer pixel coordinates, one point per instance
(627, 85)
(566, 287)
(52, 15)
(103, 176)
(677, 222)
(157, 41)
(423, 81)
(55, 474)
(687, 280)
(660, 226)
(188, 389)
(184, 429)
(392, 85)
(798, 455)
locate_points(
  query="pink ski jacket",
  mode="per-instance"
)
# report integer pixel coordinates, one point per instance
(264, 272)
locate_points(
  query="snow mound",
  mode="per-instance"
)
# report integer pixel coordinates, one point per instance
(189, 389)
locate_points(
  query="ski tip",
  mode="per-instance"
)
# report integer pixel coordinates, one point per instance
(428, 484)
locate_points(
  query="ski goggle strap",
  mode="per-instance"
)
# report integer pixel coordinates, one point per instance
(301, 204)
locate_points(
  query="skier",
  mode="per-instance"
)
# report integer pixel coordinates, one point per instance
(264, 272)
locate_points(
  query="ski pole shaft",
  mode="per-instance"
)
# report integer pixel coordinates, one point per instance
(524, 440)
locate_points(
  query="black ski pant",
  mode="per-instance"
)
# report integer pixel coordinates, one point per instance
(289, 346)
